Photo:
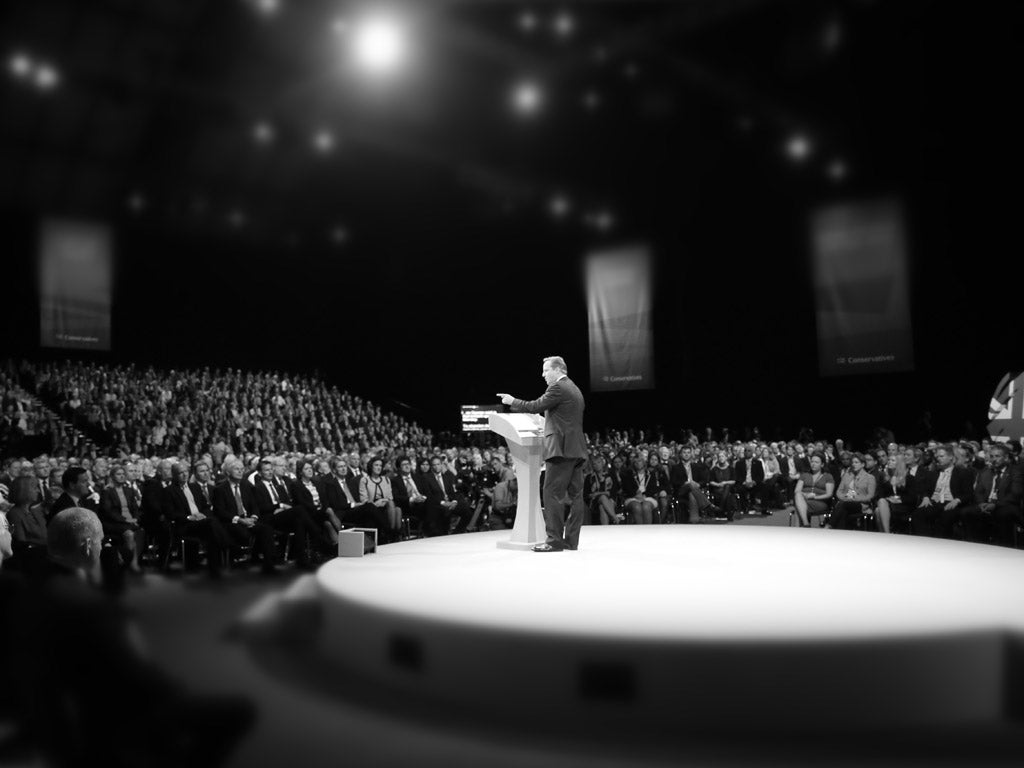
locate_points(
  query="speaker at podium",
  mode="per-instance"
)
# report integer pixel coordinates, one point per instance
(524, 433)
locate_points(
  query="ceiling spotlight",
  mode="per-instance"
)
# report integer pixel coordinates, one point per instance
(837, 170)
(527, 21)
(379, 45)
(559, 206)
(20, 65)
(339, 26)
(339, 235)
(601, 220)
(527, 97)
(798, 148)
(236, 218)
(136, 202)
(267, 7)
(832, 36)
(46, 77)
(564, 24)
(745, 123)
(591, 100)
(600, 54)
(631, 70)
(323, 141)
(263, 132)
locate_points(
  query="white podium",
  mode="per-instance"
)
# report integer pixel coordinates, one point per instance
(524, 433)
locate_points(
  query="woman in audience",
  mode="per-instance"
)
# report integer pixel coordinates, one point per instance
(119, 514)
(855, 494)
(890, 494)
(27, 520)
(375, 489)
(662, 484)
(813, 491)
(722, 481)
(306, 493)
(640, 491)
(598, 493)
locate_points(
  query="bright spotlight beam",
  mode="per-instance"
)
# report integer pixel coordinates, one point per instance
(379, 45)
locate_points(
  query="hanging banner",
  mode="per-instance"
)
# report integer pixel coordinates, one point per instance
(75, 279)
(861, 289)
(619, 315)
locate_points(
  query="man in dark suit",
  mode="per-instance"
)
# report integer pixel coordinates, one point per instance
(942, 493)
(749, 481)
(687, 477)
(202, 487)
(75, 482)
(153, 518)
(565, 452)
(274, 502)
(997, 500)
(408, 496)
(443, 501)
(339, 499)
(183, 513)
(234, 504)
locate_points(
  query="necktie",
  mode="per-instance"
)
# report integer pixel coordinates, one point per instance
(238, 500)
(273, 493)
(348, 493)
(193, 509)
(411, 487)
(440, 481)
(689, 476)
(995, 486)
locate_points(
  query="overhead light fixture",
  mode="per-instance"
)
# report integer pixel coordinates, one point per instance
(798, 148)
(323, 141)
(46, 77)
(379, 44)
(339, 235)
(559, 206)
(527, 21)
(263, 132)
(564, 24)
(267, 7)
(837, 170)
(527, 97)
(20, 65)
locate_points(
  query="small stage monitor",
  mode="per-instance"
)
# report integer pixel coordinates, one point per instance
(475, 417)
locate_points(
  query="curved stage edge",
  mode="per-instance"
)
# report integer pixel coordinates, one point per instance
(669, 627)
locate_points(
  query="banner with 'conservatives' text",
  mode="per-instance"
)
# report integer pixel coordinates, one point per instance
(861, 289)
(619, 315)
(75, 278)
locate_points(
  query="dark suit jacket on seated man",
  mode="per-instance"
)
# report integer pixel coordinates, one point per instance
(565, 452)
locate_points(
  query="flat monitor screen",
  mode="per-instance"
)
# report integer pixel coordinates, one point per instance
(475, 417)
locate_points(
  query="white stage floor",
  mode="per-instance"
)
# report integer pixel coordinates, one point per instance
(688, 583)
(672, 625)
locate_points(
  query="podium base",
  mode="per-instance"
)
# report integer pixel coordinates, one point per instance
(509, 544)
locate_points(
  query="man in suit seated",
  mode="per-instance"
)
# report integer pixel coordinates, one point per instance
(184, 515)
(408, 496)
(340, 499)
(997, 500)
(947, 489)
(234, 504)
(444, 502)
(687, 477)
(274, 502)
(119, 513)
(750, 482)
(75, 482)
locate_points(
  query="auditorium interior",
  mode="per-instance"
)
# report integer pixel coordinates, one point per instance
(269, 267)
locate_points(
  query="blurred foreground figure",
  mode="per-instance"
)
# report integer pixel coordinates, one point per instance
(86, 692)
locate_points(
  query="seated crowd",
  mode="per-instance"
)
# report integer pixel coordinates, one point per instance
(229, 463)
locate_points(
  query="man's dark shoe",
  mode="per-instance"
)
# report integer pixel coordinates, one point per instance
(548, 547)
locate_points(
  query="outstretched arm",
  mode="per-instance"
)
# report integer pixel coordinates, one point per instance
(552, 397)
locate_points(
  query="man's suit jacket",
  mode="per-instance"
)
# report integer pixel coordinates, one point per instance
(562, 405)
(1010, 489)
(400, 492)
(265, 502)
(432, 489)
(224, 501)
(204, 502)
(333, 497)
(152, 501)
(64, 501)
(756, 471)
(698, 471)
(961, 484)
(175, 505)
